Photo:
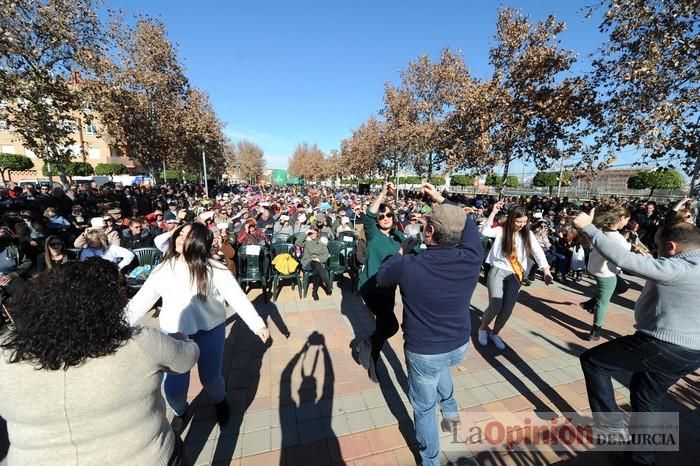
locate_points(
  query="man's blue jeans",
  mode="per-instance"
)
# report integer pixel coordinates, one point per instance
(430, 383)
(655, 365)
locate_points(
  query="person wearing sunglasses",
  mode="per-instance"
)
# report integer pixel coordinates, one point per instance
(383, 241)
(54, 254)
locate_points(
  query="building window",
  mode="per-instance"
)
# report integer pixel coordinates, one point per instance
(91, 130)
(7, 149)
(94, 153)
(3, 126)
(70, 125)
(114, 152)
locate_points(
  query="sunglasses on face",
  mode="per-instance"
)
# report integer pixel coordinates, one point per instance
(384, 215)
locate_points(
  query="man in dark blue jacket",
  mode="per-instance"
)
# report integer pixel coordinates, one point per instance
(436, 289)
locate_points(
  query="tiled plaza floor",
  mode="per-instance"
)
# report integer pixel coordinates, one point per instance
(302, 400)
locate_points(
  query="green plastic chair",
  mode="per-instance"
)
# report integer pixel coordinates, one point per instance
(277, 277)
(280, 238)
(252, 268)
(73, 253)
(338, 263)
(148, 256)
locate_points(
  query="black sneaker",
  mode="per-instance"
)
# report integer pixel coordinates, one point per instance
(314, 294)
(595, 334)
(222, 413)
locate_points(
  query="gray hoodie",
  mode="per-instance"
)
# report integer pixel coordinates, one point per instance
(667, 307)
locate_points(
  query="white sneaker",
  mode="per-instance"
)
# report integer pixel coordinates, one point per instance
(498, 342)
(483, 337)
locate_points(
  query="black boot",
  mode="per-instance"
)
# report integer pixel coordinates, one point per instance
(314, 294)
(595, 333)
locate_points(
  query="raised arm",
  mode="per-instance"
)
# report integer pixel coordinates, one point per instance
(487, 229)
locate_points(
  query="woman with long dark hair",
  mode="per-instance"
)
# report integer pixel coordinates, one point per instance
(194, 289)
(54, 254)
(510, 258)
(78, 384)
(383, 241)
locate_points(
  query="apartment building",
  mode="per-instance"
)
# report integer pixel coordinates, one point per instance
(92, 145)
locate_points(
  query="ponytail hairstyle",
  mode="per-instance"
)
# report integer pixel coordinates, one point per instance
(509, 232)
(607, 217)
(196, 252)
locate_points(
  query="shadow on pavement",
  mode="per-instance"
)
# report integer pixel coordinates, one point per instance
(490, 354)
(362, 322)
(243, 355)
(574, 325)
(313, 353)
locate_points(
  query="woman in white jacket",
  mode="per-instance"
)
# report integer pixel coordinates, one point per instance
(510, 260)
(610, 220)
(194, 289)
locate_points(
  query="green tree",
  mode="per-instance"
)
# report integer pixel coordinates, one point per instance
(111, 169)
(13, 163)
(496, 180)
(662, 178)
(462, 180)
(551, 180)
(70, 169)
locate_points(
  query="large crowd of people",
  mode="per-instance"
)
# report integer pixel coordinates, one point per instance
(67, 250)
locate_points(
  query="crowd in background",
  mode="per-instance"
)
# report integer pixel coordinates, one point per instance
(40, 224)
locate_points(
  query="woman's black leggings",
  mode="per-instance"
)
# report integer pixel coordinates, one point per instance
(382, 306)
(320, 275)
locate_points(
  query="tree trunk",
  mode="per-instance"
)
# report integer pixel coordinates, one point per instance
(506, 169)
(651, 193)
(430, 166)
(695, 180)
(2, 174)
(64, 178)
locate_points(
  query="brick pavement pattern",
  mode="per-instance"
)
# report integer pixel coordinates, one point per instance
(294, 403)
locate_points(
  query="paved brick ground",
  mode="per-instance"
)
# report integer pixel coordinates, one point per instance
(295, 403)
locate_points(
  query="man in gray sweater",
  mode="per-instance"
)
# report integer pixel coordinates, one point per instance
(666, 345)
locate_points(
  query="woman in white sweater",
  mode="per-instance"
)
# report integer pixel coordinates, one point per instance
(610, 220)
(510, 260)
(194, 289)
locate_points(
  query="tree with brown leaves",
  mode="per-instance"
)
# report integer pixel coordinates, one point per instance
(141, 93)
(44, 46)
(308, 162)
(649, 73)
(250, 161)
(538, 113)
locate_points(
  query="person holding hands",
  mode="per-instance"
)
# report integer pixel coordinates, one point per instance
(510, 259)
(194, 288)
(383, 241)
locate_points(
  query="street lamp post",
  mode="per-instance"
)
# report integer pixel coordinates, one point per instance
(204, 165)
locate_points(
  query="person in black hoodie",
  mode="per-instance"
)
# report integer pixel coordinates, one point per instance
(436, 289)
(136, 235)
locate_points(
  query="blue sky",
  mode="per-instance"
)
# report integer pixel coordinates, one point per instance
(283, 72)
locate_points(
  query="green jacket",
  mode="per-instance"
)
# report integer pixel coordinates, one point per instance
(379, 248)
(312, 250)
